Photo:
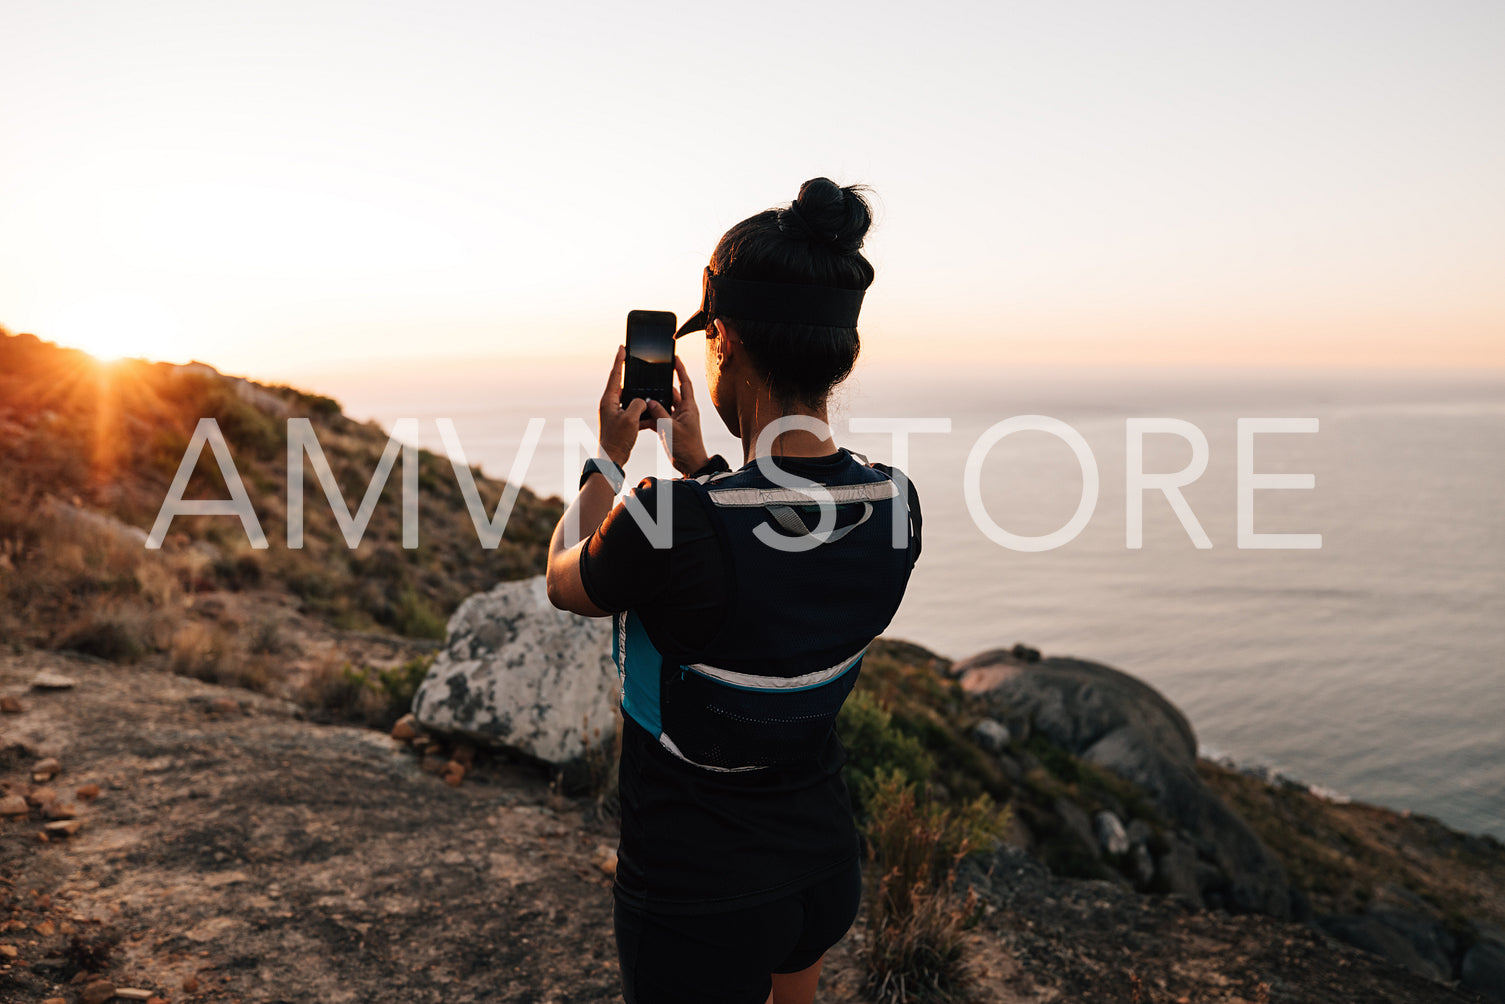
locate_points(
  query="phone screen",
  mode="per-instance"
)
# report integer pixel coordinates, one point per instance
(649, 373)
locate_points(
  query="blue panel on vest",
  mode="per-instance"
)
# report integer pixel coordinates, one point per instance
(639, 663)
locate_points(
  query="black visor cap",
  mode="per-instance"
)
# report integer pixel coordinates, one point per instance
(789, 302)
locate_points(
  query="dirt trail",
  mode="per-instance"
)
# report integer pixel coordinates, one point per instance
(271, 859)
(237, 852)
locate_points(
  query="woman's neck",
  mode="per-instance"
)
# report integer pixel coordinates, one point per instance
(800, 432)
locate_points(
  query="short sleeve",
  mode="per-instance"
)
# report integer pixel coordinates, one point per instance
(912, 506)
(915, 522)
(619, 566)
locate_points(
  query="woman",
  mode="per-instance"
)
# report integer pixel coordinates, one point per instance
(738, 641)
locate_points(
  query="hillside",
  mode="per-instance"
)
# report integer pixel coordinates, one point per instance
(233, 845)
(88, 452)
(236, 853)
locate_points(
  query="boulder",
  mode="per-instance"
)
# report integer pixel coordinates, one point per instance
(1177, 870)
(1076, 822)
(1124, 725)
(1376, 933)
(1484, 970)
(517, 672)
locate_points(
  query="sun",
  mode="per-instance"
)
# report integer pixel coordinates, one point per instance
(119, 325)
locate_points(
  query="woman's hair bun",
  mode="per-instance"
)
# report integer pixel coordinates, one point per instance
(826, 214)
(815, 241)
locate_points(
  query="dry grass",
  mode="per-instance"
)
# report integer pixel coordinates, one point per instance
(916, 919)
(210, 652)
(87, 452)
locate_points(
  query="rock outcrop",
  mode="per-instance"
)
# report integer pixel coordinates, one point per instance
(517, 672)
(1125, 726)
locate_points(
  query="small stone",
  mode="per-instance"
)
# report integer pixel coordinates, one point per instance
(432, 763)
(88, 792)
(190, 984)
(97, 992)
(52, 681)
(10, 705)
(605, 858)
(991, 736)
(59, 810)
(13, 805)
(406, 729)
(55, 1000)
(454, 773)
(464, 754)
(63, 827)
(1111, 834)
(45, 928)
(40, 796)
(42, 836)
(225, 706)
(45, 768)
(9, 951)
(133, 994)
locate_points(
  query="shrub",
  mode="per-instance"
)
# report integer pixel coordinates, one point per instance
(875, 745)
(398, 684)
(106, 638)
(337, 691)
(266, 638)
(241, 571)
(915, 917)
(210, 654)
(416, 618)
(377, 697)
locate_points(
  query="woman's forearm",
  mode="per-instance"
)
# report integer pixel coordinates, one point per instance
(583, 515)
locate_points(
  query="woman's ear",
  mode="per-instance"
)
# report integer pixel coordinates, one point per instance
(725, 339)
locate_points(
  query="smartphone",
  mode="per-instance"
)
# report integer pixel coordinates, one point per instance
(649, 373)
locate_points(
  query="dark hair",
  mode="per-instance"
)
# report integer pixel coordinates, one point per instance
(815, 241)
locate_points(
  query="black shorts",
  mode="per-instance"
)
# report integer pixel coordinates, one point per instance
(728, 957)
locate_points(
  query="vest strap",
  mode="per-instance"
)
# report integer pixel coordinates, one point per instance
(871, 491)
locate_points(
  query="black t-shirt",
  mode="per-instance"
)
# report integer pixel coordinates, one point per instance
(780, 830)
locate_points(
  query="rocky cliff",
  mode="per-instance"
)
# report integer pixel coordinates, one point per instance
(225, 848)
(178, 816)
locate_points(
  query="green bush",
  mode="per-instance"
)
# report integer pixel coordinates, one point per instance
(398, 684)
(361, 694)
(416, 618)
(875, 745)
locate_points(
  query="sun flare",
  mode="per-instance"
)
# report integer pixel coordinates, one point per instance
(118, 326)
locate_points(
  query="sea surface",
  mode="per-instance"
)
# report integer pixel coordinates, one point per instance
(1372, 666)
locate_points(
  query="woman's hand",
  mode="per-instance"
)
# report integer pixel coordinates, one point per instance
(619, 426)
(688, 453)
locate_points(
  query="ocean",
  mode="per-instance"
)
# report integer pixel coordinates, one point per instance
(1372, 667)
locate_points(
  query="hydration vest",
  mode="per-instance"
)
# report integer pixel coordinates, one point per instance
(765, 691)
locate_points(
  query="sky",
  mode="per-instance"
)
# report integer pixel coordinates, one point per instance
(288, 188)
